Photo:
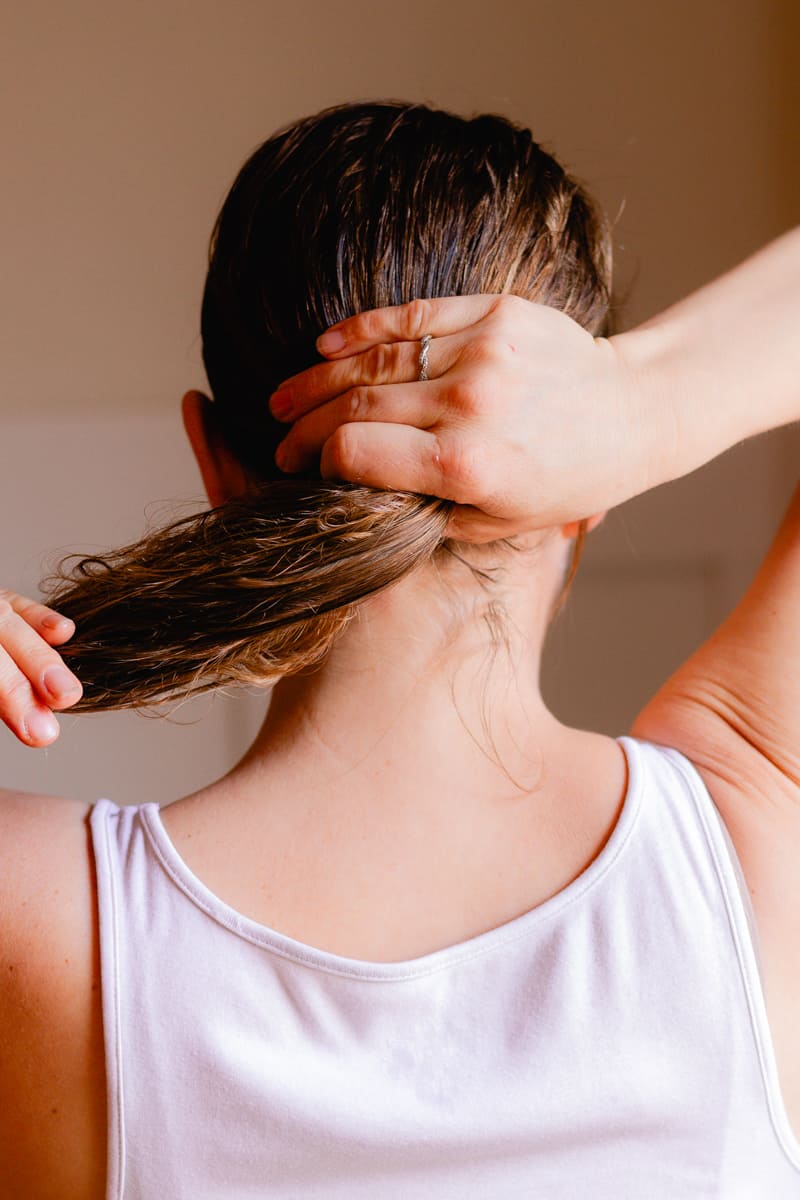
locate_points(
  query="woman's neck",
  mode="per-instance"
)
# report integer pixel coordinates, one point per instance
(415, 699)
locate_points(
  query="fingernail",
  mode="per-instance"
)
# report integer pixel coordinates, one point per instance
(41, 726)
(59, 682)
(331, 341)
(281, 404)
(53, 621)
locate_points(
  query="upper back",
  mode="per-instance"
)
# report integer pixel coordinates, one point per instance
(614, 1031)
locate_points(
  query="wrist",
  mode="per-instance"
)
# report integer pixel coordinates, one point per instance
(652, 445)
(721, 365)
(675, 396)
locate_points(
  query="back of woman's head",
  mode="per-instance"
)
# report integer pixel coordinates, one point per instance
(358, 207)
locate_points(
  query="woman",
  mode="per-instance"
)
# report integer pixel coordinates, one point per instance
(423, 940)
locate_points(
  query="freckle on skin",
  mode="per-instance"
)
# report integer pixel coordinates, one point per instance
(53, 1110)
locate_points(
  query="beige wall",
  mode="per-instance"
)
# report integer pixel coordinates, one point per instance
(122, 128)
(124, 124)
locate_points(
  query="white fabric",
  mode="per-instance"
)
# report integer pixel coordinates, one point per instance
(611, 1043)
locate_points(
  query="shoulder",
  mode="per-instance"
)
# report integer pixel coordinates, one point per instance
(46, 876)
(52, 1068)
(760, 806)
(758, 802)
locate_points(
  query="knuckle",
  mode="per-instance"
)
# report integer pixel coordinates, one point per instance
(358, 404)
(380, 362)
(508, 307)
(364, 326)
(418, 318)
(462, 464)
(488, 348)
(466, 395)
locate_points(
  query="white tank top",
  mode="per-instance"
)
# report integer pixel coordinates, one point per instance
(612, 1042)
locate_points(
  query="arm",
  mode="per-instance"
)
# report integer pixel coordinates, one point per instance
(746, 676)
(723, 364)
(729, 356)
(733, 708)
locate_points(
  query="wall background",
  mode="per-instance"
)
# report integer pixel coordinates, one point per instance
(123, 128)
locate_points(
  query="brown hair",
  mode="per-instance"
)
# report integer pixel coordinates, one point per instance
(358, 207)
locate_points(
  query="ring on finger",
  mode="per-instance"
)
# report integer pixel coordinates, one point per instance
(424, 343)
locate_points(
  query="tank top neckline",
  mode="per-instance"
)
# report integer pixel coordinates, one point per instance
(311, 956)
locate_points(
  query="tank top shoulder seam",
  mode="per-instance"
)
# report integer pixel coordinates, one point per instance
(745, 955)
(523, 926)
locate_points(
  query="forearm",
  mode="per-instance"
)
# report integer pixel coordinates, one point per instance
(723, 364)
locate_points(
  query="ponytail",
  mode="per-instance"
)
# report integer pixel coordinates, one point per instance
(244, 593)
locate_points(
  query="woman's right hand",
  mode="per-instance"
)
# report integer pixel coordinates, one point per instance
(33, 677)
(526, 420)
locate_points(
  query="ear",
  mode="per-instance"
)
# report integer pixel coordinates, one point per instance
(222, 475)
(570, 530)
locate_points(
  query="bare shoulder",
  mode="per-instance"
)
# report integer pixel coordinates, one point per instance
(52, 1068)
(758, 802)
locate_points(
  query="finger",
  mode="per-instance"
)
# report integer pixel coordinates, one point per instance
(398, 404)
(394, 363)
(53, 683)
(405, 323)
(21, 710)
(51, 625)
(470, 524)
(401, 458)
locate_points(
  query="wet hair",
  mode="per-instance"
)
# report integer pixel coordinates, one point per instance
(357, 207)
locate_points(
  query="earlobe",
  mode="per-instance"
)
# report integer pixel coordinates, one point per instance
(222, 475)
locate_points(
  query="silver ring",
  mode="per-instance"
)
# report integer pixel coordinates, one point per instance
(424, 343)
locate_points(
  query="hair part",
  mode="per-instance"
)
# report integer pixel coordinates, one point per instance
(358, 207)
